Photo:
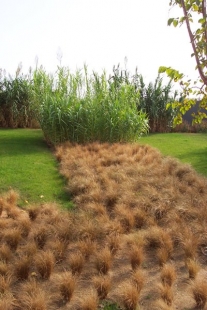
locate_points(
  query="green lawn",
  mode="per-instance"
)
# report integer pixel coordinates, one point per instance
(28, 166)
(188, 147)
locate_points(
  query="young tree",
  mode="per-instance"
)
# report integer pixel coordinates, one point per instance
(195, 18)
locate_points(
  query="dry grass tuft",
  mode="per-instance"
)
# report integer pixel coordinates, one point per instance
(160, 304)
(66, 285)
(168, 275)
(4, 268)
(129, 296)
(12, 197)
(44, 263)
(32, 297)
(86, 247)
(33, 212)
(166, 293)
(12, 237)
(58, 248)
(113, 242)
(76, 261)
(136, 255)
(163, 255)
(40, 235)
(88, 302)
(5, 252)
(199, 291)
(193, 267)
(103, 260)
(190, 245)
(5, 283)
(8, 302)
(102, 285)
(138, 278)
(125, 217)
(22, 268)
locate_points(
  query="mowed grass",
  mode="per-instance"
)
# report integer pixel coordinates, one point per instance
(29, 167)
(187, 147)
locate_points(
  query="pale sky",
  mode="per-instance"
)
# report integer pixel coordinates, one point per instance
(100, 33)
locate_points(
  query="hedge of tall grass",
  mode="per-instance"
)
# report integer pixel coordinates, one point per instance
(80, 107)
(16, 104)
(154, 98)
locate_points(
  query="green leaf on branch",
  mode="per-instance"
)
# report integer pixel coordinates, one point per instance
(170, 20)
(175, 22)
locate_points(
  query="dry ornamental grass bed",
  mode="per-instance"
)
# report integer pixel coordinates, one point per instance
(137, 237)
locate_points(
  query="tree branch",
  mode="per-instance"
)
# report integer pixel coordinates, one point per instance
(200, 70)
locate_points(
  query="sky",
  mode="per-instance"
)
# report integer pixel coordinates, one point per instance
(99, 33)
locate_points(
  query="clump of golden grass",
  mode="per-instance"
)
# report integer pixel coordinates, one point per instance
(5, 252)
(166, 293)
(157, 237)
(40, 235)
(66, 285)
(12, 237)
(76, 262)
(4, 268)
(86, 247)
(33, 212)
(163, 255)
(32, 297)
(129, 296)
(199, 290)
(44, 263)
(5, 283)
(140, 218)
(29, 249)
(7, 302)
(138, 279)
(88, 302)
(168, 274)
(136, 255)
(125, 216)
(190, 244)
(24, 225)
(102, 285)
(58, 248)
(103, 260)
(193, 267)
(161, 305)
(22, 268)
(113, 242)
(12, 197)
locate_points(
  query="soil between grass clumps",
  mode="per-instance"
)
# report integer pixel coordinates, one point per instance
(137, 236)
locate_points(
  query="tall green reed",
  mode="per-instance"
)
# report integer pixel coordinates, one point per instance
(153, 100)
(16, 108)
(80, 107)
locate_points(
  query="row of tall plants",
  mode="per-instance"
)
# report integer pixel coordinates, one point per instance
(16, 104)
(82, 107)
